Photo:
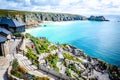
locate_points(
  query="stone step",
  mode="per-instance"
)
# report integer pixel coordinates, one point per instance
(27, 65)
(25, 62)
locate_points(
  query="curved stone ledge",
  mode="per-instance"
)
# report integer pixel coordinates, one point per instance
(10, 76)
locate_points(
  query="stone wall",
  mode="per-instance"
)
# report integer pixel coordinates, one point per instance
(53, 72)
(5, 48)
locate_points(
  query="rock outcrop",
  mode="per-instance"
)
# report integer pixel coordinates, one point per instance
(97, 18)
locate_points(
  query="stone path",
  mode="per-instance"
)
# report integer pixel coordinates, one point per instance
(12, 45)
(4, 63)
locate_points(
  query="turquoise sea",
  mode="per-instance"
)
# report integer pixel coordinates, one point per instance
(97, 39)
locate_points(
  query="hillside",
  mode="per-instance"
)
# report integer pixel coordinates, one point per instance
(34, 18)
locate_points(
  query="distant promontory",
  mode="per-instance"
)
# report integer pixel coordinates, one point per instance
(97, 18)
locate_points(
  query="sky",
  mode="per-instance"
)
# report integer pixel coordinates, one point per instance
(64, 6)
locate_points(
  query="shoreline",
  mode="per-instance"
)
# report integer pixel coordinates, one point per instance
(70, 44)
(44, 22)
(78, 59)
(94, 57)
(86, 62)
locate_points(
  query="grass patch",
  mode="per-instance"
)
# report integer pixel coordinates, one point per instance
(17, 70)
(53, 47)
(73, 68)
(41, 45)
(32, 56)
(68, 73)
(52, 60)
(69, 57)
(27, 35)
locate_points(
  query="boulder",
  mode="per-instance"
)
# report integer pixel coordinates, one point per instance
(77, 52)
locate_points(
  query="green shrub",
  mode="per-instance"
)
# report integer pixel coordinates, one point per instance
(68, 73)
(77, 78)
(17, 34)
(15, 64)
(64, 63)
(53, 47)
(32, 56)
(72, 67)
(69, 57)
(27, 35)
(17, 70)
(52, 60)
(41, 45)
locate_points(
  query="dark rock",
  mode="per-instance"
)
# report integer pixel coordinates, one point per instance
(97, 18)
(78, 52)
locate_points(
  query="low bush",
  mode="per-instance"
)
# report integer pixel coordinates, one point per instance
(17, 70)
(18, 34)
(52, 60)
(72, 67)
(32, 56)
(68, 73)
(69, 57)
(27, 35)
(53, 47)
(41, 45)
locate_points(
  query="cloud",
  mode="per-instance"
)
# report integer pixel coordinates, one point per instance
(65, 6)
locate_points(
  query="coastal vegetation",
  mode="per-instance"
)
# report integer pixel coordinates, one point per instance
(73, 68)
(18, 34)
(69, 57)
(41, 45)
(74, 62)
(27, 35)
(32, 56)
(68, 73)
(17, 70)
(52, 61)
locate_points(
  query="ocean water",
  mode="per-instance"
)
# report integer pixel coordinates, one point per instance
(97, 39)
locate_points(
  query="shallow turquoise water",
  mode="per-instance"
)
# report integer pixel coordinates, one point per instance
(97, 39)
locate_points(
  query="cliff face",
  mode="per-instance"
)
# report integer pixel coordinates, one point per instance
(32, 18)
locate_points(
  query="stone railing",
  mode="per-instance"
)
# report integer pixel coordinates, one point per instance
(54, 73)
(19, 46)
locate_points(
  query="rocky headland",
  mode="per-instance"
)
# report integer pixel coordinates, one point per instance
(35, 18)
(97, 18)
